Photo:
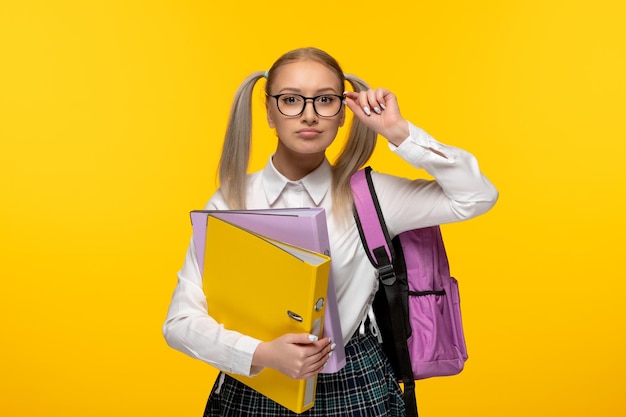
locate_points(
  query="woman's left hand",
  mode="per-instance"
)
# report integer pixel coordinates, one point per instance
(378, 109)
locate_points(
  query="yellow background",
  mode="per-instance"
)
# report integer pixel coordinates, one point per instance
(112, 115)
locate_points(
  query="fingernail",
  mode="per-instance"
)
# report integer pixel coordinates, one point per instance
(377, 110)
(382, 106)
(330, 354)
(345, 102)
(333, 346)
(312, 338)
(367, 110)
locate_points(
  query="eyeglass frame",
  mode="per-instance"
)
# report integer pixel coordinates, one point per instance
(277, 96)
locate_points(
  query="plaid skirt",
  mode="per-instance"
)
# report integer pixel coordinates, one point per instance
(365, 387)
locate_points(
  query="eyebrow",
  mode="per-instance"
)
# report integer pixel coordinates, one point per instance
(326, 90)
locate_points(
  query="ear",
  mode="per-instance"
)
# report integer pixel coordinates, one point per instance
(268, 111)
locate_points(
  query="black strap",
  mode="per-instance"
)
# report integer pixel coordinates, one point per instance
(395, 305)
(396, 313)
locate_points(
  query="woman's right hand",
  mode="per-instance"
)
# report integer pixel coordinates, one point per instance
(294, 355)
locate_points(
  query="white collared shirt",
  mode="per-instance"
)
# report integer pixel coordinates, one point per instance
(459, 192)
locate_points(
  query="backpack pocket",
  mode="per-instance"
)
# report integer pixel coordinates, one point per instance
(436, 345)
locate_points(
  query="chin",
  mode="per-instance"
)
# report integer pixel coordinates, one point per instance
(313, 148)
(308, 146)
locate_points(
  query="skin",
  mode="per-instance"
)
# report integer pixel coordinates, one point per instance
(301, 148)
(303, 139)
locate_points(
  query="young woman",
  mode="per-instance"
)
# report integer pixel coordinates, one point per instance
(306, 105)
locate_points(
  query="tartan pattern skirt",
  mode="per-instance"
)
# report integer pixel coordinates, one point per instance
(365, 387)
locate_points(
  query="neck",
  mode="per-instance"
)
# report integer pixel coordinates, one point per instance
(296, 166)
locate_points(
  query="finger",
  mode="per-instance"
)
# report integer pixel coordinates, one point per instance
(365, 103)
(314, 367)
(314, 372)
(319, 348)
(323, 356)
(326, 345)
(376, 100)
(381, 97)
(351, 100)
(302, 339)
(315, 353)
(374, 103)
(361, 100)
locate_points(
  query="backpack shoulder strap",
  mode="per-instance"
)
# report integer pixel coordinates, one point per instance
(380, 251)
(371, 225)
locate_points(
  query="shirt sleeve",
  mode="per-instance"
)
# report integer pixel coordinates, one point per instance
(189, 328)
(458, 192)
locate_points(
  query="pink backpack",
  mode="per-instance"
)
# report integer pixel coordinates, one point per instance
(417, 304)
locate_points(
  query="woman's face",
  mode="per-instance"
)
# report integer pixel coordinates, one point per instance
(307, 133)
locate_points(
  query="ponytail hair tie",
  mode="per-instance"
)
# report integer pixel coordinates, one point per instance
(267, 73)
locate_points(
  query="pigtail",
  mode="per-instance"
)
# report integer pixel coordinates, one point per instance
(233, 166)
(357, 151)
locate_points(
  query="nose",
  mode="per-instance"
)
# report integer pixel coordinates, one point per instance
(308, 113)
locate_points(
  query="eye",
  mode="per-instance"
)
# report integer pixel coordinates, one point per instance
(326, 99)
(291, 99)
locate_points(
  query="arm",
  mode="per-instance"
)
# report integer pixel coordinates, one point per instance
(460, 191)
(191, 330)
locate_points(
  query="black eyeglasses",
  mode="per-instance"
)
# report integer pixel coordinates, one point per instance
(325, 105)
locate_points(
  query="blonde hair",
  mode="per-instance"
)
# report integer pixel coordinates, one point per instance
(233, 167)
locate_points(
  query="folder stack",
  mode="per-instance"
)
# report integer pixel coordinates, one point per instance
(266, 287)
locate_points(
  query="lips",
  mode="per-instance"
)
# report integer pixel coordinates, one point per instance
(308, 133)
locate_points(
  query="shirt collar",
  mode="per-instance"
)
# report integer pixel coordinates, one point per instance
(316, 183)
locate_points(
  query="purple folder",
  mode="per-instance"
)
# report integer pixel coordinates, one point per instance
(302, 227)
